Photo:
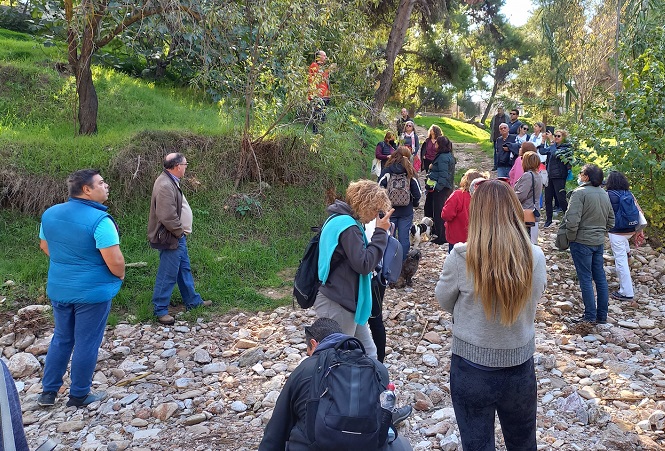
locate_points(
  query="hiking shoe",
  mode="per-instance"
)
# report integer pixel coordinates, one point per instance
(166, 320)
(581, 320)
(601, 321)
(400, 414)
(621, 297)
(91, 397)
(46, 399)
(547, 223)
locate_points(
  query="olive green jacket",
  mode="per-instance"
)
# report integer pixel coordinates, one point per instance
(589, 215)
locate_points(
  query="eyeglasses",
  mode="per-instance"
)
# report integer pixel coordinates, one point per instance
(183, 164)
(513, 114)
(557, 136)
(409, 125)
(525, 128)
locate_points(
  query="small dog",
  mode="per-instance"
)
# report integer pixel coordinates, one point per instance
(409, 268)
(421, 232)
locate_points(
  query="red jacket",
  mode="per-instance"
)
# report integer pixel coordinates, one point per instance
(455, 214)
(318, 80)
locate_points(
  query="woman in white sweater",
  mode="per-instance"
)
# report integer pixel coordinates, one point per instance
(492, 285)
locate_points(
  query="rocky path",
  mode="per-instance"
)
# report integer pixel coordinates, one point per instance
(212, 385)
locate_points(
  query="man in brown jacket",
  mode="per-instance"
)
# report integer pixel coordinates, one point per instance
(169, 224)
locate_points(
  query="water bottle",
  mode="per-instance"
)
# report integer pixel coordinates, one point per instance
(388, 398)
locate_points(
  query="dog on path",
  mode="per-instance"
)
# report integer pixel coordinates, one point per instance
(421, 232)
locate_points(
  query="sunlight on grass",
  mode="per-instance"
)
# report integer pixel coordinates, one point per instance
(457, 131)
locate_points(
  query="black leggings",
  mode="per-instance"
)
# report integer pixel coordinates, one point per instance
(376, 326)
(555, 188)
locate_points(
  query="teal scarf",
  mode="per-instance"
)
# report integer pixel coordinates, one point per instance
(332, 229)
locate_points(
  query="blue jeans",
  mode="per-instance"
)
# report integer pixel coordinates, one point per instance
(478, 394)
(502, 171)
(589, 266)
(78, 327)
(403, 230)
(174, 267)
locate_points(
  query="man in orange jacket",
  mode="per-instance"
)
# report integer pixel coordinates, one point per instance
(319, 92)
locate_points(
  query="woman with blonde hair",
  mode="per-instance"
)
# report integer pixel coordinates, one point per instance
(492, 285)
(529, 187)
(347, 259)
(397, 164)
(428, 149)
(455, 213)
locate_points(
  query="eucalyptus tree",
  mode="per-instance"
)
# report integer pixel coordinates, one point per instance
(92, 24)
(258, 51)
(399, 14)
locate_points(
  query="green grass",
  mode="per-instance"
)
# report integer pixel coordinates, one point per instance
(234, 259)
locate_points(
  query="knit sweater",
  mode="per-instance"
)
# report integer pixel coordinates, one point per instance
(475, 338)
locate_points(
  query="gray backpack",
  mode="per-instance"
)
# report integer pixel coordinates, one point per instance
(399, 189)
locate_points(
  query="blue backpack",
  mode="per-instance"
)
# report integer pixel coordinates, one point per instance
(391, 265)
(627, 215)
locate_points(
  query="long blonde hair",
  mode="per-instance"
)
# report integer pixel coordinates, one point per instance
(499, 256)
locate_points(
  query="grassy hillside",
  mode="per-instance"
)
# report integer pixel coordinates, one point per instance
(458, 131)
(243, 239)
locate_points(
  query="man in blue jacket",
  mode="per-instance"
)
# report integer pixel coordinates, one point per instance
(86, 270)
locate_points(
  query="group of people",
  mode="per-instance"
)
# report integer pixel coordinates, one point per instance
(491, 280)
(87, 269)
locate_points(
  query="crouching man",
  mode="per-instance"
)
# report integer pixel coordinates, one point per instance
(332, 399)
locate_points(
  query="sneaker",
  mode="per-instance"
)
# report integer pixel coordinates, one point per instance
(581, 320)
(166, 320)
(601, 321)
(47, 399)
(547, 223)
(621, 297)
(85, 400)
(400, 414)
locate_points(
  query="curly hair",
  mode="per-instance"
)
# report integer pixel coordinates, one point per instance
(366, 198)
(469, 176)
(402, 155)
(437, 131)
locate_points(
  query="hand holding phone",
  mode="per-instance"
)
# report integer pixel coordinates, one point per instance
(383, 219)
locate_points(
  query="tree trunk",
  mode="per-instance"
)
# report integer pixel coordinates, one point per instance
(395, 42)
(88, 103)
(490, 102)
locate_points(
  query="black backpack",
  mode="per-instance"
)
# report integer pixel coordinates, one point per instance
(344, 410)
(306, 282)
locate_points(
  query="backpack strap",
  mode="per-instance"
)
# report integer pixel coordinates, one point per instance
(315, 391)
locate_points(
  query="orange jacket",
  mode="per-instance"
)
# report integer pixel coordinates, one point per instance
(319, 81)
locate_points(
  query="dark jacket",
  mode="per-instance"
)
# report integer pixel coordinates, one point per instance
(443, 171)
(615, 200)
(405, 210)
(351, 258)
(514, 127)
(558, 160)
(497, 120)
(287, 428)
(384, 150)
(506, 159)
(428, 151)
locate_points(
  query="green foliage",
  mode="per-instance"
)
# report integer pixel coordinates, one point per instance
(456, 131)
(637, 122)
(13, 19)
(234, 259)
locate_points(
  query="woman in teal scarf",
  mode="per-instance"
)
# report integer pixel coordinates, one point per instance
(347, 259)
